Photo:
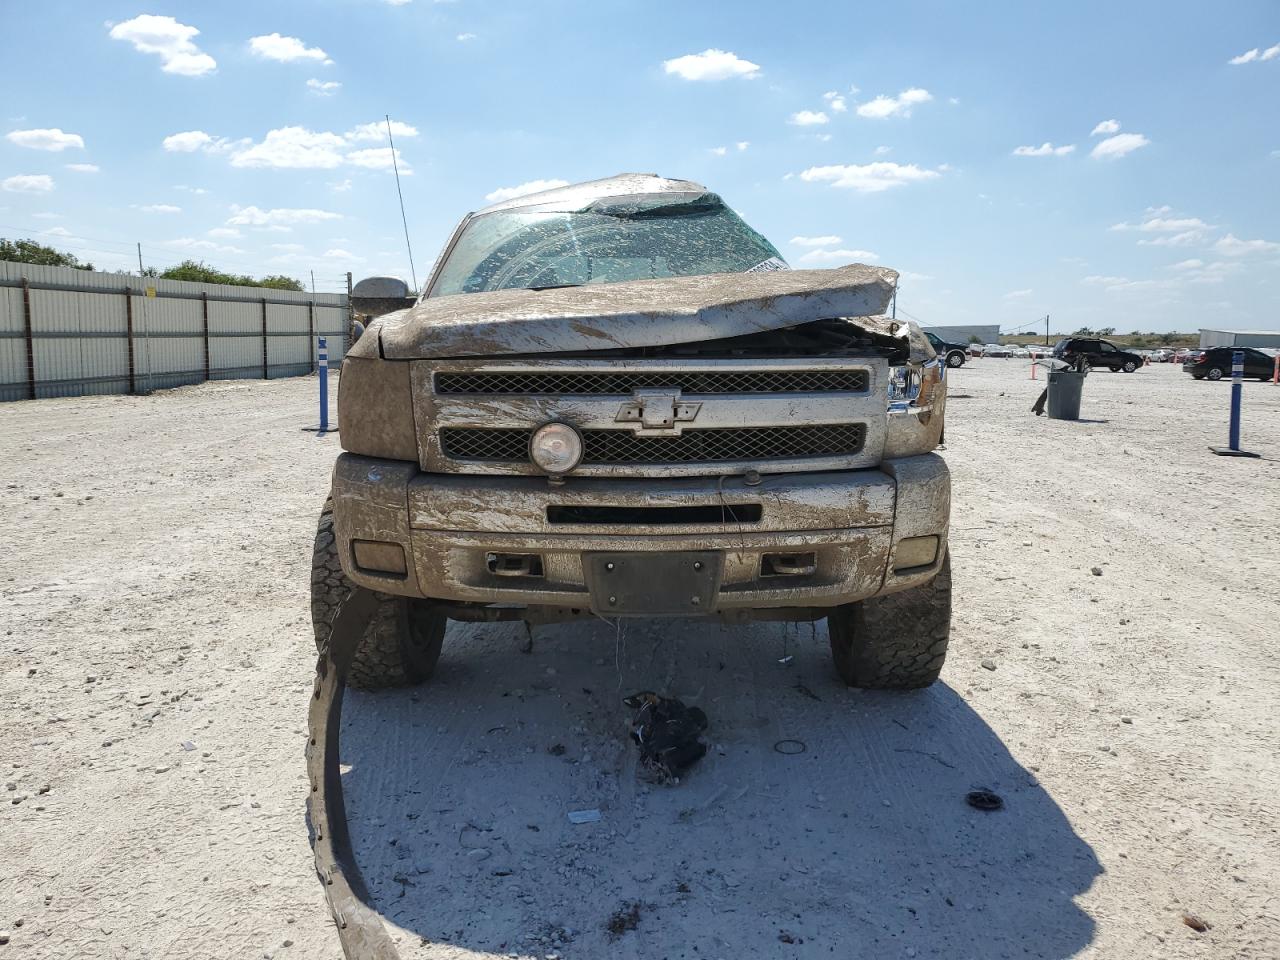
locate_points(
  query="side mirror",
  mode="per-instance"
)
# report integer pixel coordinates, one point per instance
(374, 296)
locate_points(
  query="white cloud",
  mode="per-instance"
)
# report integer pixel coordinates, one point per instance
(815, 241)
(839, 256)
(198, 191)
(158, 208)
(808, 118)
(83, 167)
(397, 3)
(1250, 56)
(376, 131)
(869, 177)
(187, 142)
(1193, 264)
(835, 101)
(340, 186)
(1170, 231)
(1118, 284)
(1187, 238)
(881, 151)
(279, 217)
(338, 253)
(524, 189)
(710, 64)
(718, 151)
(47, 215)
(1233, 246)
(1018, 294)
(1045, 149)
(323, 88)
(288, 247)
(294, 148)
(27, 183)
(229, 233)
(168, 39)
(53, 140)
(742, 144)
(1115, 147)
(1105, 126)
(900, 105)
(57, 232)
(191, 243)
(272, 46)
(464, 37)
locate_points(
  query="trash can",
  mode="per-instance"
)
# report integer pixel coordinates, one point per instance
(1065, 387)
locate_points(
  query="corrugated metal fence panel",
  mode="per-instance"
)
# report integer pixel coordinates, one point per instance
(80, 331)
(13, 346)
(235, 341)
(289, 349)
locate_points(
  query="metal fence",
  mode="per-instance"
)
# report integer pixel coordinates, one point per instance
(66, 332)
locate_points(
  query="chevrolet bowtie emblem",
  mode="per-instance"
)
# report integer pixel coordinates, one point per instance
(657, 411)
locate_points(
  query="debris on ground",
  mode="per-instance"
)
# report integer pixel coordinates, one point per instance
(584, 816)
(628, 918)
(984, 800)
(1195, 923)
(668, 734)
(1096, 571)
(988, 664)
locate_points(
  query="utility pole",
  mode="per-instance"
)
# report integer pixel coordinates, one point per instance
(894, 308)
(346, 339)
(140, 271)
(1046, 329)
(313, 283)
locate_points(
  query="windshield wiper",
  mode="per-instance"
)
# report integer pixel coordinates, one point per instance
(554, 286)
(698, 206)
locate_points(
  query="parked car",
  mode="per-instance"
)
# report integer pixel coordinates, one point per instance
(1097, 353)
(975, 350)
(1037, 350)
(955, 354)
(1215, 363)
(996, 350)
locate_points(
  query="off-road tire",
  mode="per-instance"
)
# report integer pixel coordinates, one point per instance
(895, 642)
(402, 643)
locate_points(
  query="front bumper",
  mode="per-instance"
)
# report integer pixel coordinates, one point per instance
(450, 529)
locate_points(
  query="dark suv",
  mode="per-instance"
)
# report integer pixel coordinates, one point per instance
(1215, 363)
(955, 353)
(1097, 353)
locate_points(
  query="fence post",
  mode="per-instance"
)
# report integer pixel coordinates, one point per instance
(323, 351)
(128, 330)
(204, 321)
(311, 330)
(30, 338)
(264, 338)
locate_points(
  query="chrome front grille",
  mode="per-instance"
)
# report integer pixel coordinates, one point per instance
(653, 417)
(620, 384)
(622, 446)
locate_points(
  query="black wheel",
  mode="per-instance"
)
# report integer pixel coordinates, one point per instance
(1215, 373)
(955, 359)
(896, 642)
(402, 643)
(1129, 366)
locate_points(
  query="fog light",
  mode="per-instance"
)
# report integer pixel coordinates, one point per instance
(556, 447)
(378, 556)
(915, 552)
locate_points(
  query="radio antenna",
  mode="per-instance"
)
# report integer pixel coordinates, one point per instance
(396, 167)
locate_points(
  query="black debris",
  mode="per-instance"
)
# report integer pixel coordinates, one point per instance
(627, 918)
(984, 800)
(668, 735)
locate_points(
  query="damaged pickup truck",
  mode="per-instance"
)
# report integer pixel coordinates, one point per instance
(615, 399)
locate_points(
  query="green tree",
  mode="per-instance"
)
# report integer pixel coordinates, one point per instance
(1107, 332)
(973, 339)
(28, 251)
(199, 272)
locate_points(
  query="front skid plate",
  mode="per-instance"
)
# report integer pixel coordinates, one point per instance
(678, 583)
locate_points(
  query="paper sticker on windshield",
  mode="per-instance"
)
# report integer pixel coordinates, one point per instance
(773, 263)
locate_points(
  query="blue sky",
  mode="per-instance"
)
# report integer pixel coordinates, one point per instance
(239, 133)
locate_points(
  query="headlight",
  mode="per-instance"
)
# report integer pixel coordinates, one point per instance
(556, 447)
(904, 386)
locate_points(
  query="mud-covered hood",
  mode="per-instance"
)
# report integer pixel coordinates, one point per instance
(642, 313)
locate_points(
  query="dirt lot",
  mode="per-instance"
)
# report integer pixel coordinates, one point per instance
(158, 656)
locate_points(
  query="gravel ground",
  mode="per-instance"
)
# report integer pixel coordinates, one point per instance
(1113, 675)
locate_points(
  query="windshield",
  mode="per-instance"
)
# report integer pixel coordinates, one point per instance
(619, 238)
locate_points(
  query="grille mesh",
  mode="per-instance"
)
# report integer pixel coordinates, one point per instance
(622, 383)
(692, 446)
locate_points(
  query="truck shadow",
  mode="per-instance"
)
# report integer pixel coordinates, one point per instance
(861, 845)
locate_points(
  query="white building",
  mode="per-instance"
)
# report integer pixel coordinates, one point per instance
(1238, 338)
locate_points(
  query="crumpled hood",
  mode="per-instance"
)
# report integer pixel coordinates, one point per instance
(640, 313)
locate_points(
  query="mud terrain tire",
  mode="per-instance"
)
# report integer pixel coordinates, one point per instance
(402, 643)
(895, 642)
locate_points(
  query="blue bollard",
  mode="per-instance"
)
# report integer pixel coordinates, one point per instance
(1232, 449)
(323, 353)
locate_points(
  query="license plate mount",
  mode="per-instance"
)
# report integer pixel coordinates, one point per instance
(637, 584)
